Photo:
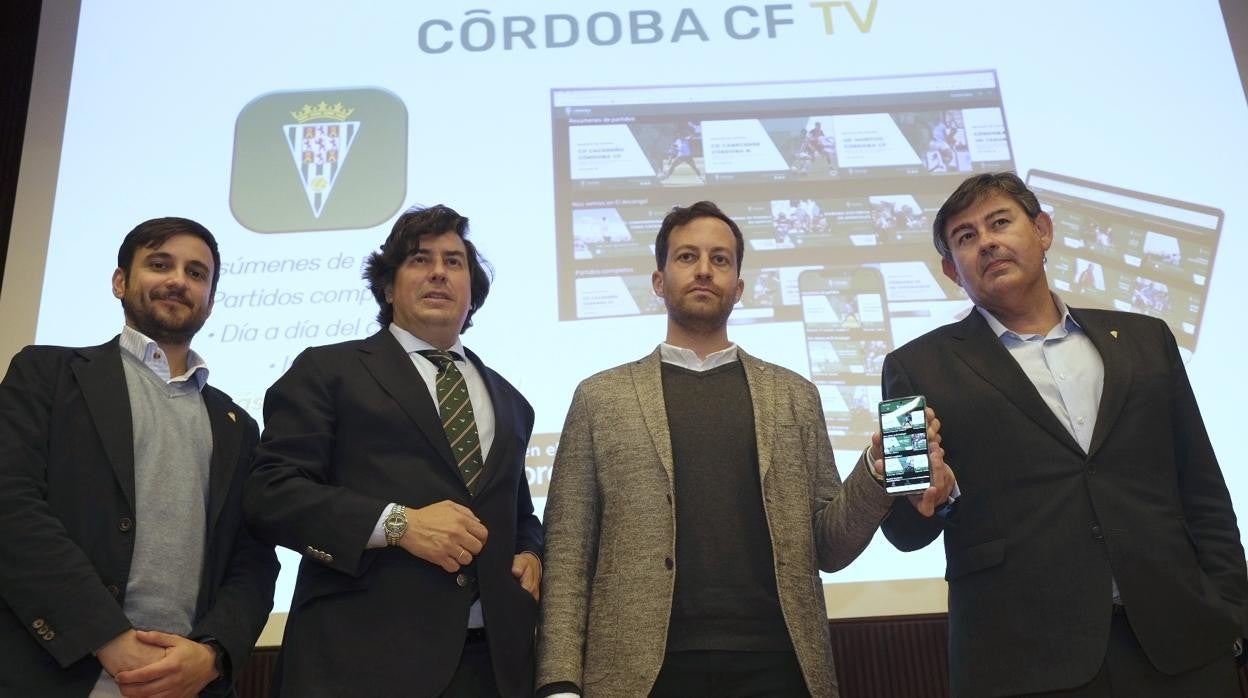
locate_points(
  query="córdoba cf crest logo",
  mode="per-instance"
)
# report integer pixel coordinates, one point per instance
(349, 149)
(319, 143)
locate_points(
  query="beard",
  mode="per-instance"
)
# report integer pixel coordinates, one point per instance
(158, 324)
(700, 318)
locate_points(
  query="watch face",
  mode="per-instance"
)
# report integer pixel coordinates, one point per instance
(396, 524)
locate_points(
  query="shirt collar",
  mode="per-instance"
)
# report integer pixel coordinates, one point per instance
(1067, 325)
(146, 350)
(412, 344)
(687, 358)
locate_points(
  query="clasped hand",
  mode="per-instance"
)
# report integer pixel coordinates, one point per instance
(152, 664)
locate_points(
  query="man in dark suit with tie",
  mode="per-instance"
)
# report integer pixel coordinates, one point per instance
(124, 563)
(395, 464)
(1093, 550)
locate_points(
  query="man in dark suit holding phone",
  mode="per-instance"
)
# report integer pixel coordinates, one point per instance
(1094, 550)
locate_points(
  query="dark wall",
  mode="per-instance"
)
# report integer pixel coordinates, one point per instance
(902, 657)
(1235, 13)
(19, 28)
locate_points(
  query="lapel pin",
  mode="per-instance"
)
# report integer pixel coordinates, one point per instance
(1113, 333)
(231, 416)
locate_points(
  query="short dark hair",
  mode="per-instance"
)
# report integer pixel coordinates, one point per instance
(153, 233)
(404, 240)
(971, 191)
(683, 215)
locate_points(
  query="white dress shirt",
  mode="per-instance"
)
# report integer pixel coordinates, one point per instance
(687, 358)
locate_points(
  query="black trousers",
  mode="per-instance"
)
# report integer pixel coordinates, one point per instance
(474, 676)
(1127, 673)
(726, 674)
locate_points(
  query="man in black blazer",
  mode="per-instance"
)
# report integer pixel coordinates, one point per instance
(110, 576)
(421, 552)
(1094, 548)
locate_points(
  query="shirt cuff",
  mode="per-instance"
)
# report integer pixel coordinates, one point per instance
(869, 463)
(378, 539)
(559, 689)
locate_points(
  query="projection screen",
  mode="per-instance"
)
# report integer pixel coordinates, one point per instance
(831, 131)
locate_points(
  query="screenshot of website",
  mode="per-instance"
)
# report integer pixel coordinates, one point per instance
(836, 172)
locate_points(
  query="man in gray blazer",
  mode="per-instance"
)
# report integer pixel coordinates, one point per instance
(729, 602)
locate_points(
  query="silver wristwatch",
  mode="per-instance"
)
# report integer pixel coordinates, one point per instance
(395, 524)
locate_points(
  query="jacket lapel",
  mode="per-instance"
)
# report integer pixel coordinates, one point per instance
(227, 435)
(763, 396)
(648, 382)
(103, 383)
(1117, 362)
(984, 354)
(504, 422)
(383, 357)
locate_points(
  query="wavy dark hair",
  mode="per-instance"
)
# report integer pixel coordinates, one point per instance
(970, 191)
(404, 240)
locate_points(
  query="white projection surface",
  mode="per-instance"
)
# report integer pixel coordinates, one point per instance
(832, 131)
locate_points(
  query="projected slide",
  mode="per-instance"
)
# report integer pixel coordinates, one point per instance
(1124, 250)
(823, 172)
(847, 336)
(565, 132)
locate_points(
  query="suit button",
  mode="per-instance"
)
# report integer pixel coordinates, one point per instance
(49, 635)
(1096, 534)
(39, 623)
(667, 562)
(125, 524)
(461, 579)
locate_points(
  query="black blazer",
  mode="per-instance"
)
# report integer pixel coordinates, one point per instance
(67, 521)
(1041, 525)
(349, 428)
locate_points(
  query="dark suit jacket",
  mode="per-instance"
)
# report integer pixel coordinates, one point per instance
(1041, 525)
(349, 428)
(67, 520)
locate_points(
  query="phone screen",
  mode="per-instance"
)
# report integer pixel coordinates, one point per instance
(847, 337)
(903, 423)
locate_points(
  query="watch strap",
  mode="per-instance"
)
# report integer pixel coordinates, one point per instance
(222, 662)
(395, 524)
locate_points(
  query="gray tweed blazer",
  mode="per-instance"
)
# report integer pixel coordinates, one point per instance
(611, 526)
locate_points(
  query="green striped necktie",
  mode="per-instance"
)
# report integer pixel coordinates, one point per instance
(457, 419)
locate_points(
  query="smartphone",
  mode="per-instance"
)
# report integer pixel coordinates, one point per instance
(903, 423)
(847, 335)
